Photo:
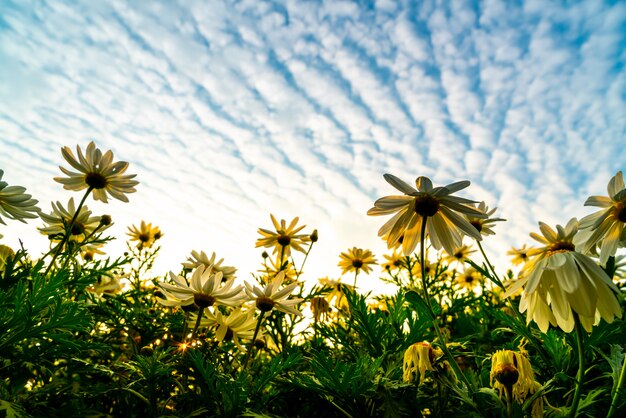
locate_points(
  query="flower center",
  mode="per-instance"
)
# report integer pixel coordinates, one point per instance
(357, 264)
(202, 300)
(77, 228)
(507, 374)
(561, 247)
(477, 224)
(96, 180)
(469, 279)
(229, 334)
(620, 212)
(426, 205)
(265, 304)
(283, 240)
(144, 237)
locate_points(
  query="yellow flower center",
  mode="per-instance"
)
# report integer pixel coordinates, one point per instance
(202, 300)
(96, 180)
(265, 304)
(620, 212)
(426, 205)
(283, 240)
(561, 247)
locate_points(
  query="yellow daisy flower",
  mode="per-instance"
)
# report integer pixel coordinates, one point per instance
(238, 325)
(205, 289)
(285, 238)
(274, 267)
(15, 204)
(89, 251)
(512, 370)
(607, 227)
(558, 281)
(459, 255)
(484, 224)
(520, 255)
(337, 292)
(84, 224)
(418, 358)
(270, 297)
(6, 252)
(198, 259)
(97, 172)
(320, 308)
(356, 259)
(145, 235)
(394, 262)
(444, 214)
(469, 279)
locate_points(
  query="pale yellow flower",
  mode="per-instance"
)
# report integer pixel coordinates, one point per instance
(272, 297)
(198, 259)
(57, 221)
(274, 267)
(460, 254)
(469, 279)
(356, 259)
(418, 359)
(6, 252)
(607, 227)
(89, 251)
(513, 370)
(238, 325)
(394, 262)
(285, 239)
(204, 289)
(15, 204)
(444, 214)
(146, 235)
(98, 172)
(337, 292)
(484, 223)
(520, 255)
(558, 282)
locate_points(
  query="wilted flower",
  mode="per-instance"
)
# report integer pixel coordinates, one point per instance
(558, 282)
(484, 223)
(320, 308)
(512, 371)
(356, 259)
(607, 227)
(238, 325)
(285, 238)
(198, 259)
(97, 172)
(271, 297)
(60, 218)
(442, 212)
(146, 234)
(520, 255)
(15, 204)
(337, 292)
(418, 358)
(205, 289)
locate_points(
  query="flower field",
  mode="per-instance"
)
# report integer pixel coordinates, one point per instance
(85, 335)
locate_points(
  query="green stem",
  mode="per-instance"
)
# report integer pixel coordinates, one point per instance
(68, 231)
(581, 366)
(256, 332)
(356, 273)
(298, 273)
(440, 336)
(195, 328)
(616, 389)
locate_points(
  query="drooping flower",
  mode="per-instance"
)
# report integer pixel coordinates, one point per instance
(238, 325)
(146, 235)
(444, 214)
(89, 251)
(60, 218)
(558, 282)
(520, 255)
(483, 224)
(511, 370)
(320, 308)
(205, 289)
(607, 227)
(337, 292)
(356, 259)
(15, 204)
(198, 259)
(418, 358)
(98, 172)
(460, 254)
(272, 297)
(285, 238)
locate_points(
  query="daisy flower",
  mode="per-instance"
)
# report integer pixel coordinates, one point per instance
(356, 259)
(285, 238)
(198, 259)
(484, 223)
(418, 358)
(444, 214)
(145, 235)
(238, 325)
(606, 227)
(512, 370)
(205, 289)
(395, 261)
(15, 204)
(460, 254)
(97, 172)
(559, 282)
(469, 279)
(520, 255)
(272, 297)
(84, 225)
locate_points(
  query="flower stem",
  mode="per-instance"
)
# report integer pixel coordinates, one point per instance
(256, 332)
(616, 390)
(581, 366)
(68, 231)
(195, 328)
(440, 336)
(298, 273)
(356, 273)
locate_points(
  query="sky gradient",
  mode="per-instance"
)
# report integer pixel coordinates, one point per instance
(230, 111)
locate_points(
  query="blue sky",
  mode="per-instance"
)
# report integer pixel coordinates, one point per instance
(230, 111)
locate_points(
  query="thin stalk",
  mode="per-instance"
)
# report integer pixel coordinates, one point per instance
(581, 367)
(256, 332)
(306, 255)
(440, 336)
(195, 328)
(616, 390)
(68, 231)
(356, 273)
